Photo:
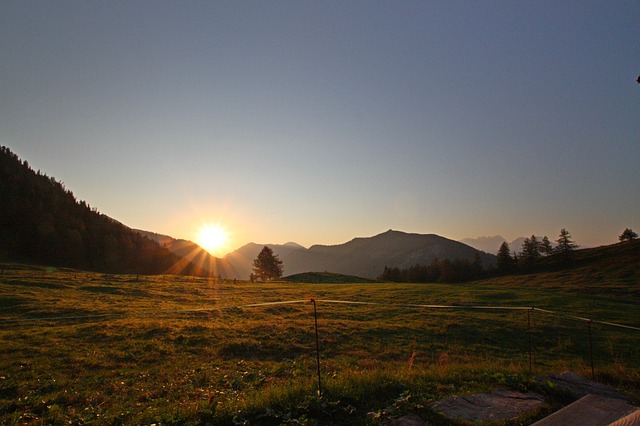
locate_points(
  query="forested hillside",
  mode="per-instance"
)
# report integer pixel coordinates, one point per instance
(42, 222)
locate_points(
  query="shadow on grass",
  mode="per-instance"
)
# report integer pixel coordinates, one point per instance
(265, 351)
(115, 290)
(47, 285)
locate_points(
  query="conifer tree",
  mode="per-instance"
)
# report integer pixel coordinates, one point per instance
(530, 250)
(565, 245)
(267, 266)
(545, 246)
(504, 261)
(628, 235)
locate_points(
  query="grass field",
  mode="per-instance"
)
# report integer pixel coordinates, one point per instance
(79, 348)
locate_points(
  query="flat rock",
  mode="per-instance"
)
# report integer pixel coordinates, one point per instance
(410, 420)
(579, 386)
(482, 407)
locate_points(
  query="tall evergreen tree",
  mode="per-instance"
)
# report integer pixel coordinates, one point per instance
(505, 262)
(545, 246)
(530, 250)
(267, 266)
(565, 246)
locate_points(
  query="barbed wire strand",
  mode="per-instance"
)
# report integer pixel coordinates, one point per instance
(415, 305)
(561, 314)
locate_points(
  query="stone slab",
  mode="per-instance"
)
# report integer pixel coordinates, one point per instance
(495, 406)
(590, 410)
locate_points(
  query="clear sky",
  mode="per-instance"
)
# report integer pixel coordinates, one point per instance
(321, 121)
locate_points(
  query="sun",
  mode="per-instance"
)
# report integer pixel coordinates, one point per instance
(212, 238)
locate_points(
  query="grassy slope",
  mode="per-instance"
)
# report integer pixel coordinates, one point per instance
(174, 349)
(325, 278)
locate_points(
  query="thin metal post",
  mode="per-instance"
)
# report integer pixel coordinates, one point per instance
(315, 318)
(593, 373)
(529, 336)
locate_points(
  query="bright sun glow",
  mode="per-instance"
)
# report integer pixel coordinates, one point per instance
(213, 238)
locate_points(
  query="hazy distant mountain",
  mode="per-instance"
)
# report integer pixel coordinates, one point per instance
(516, 245)
(195, 254)
(492, 244)
(486, 244)
(367, 257)
(241, 260)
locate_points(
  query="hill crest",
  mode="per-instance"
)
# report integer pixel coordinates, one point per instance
(367, 256)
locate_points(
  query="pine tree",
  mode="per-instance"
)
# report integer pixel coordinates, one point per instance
(267, 266)
(504, 261)
(545, 247)
(565, 245)
(530, 250)
(628, 235)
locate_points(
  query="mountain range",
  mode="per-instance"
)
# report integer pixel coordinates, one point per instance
(364, 257)
(237, 264)
(42, 222)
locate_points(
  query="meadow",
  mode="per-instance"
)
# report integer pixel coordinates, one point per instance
(89, 348)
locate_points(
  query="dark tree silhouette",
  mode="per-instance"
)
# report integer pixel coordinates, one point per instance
(530, 251)
(565, 245)
(267, 266)
(445, 271)
(545, 246)
(505, 262)
(628, 234)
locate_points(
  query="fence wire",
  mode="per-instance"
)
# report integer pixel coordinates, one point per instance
(328, 301)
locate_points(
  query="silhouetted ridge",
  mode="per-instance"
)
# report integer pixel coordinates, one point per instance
(218, 268)
(367, 256)
(42, 222)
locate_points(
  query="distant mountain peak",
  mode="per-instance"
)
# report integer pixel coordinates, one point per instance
(367, 256)
(294, 245)
(486, 244)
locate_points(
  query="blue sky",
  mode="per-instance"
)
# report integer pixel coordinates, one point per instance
(317, 122)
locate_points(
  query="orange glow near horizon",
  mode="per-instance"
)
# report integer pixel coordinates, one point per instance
(213, 238)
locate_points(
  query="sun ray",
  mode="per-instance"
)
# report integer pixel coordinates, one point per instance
(213, 238)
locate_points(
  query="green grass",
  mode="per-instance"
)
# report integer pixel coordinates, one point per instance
(79, 347)
(325, 278)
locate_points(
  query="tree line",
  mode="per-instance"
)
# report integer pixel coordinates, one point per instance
(461, 270)
(541, 253)
(533, 250)
(444, 271)
(536, 254)
(42, 222)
